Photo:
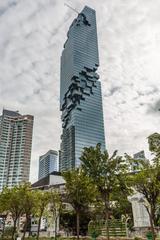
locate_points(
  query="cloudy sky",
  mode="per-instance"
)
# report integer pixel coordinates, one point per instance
(32, 33)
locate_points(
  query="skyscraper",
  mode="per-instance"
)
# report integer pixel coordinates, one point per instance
(48, 163)
(80, 91)
(15, 148)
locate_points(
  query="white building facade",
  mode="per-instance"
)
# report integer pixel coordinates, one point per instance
(15, 148)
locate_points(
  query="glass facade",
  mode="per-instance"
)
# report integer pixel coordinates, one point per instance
(80, 91)
(137, 165)
(48, 163)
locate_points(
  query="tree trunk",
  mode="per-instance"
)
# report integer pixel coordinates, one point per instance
(3, 229)
(106, 202)
(77, 223)
(152, 224)
(150, 213)
(25, 228)
(14, 228)
(55, 229)
(39, 225)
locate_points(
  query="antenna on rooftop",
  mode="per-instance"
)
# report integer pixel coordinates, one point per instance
(73, 9)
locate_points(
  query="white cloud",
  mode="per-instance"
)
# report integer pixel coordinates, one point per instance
(128, 34)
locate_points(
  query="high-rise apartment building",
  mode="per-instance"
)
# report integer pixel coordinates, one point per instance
(48, 163)
(80, 91)
(138, 156)
(15, 148)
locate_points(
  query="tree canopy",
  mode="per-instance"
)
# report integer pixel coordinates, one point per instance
(147, 180)
(109, 174)
(80, 191)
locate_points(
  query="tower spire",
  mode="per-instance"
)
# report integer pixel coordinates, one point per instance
(73, 9)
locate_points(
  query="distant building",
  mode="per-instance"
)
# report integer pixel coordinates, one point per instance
(48, 163)
(15, 148)
(80, 91)
(138, 156)
(34, 224)
(52, 180)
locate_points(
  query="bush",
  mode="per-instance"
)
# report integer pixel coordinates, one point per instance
(8, 232)
(137, 238)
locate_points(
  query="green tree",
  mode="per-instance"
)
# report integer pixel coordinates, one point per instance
(147, 180)
(3, 212)
(121, 207)
(67, 221)
(42, 199)
(108, 173)
(13, 199)
(55, 203)
(80, 192)
(29, 205)
(154, 145)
